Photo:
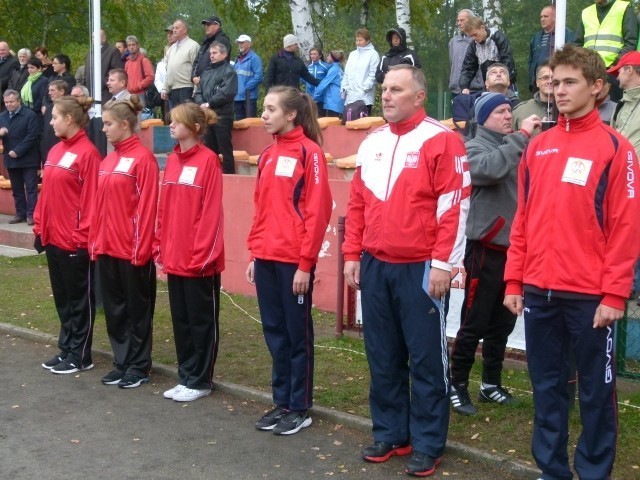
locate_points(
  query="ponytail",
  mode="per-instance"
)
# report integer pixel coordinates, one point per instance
(293, 100)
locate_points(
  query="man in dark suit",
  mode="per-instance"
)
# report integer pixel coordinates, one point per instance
(20, 130)
(8, 64)
(109, 59)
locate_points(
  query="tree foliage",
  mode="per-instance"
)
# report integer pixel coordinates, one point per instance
(63, 26)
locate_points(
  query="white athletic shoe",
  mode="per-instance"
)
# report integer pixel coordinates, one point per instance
(173, 391)
(190, 394)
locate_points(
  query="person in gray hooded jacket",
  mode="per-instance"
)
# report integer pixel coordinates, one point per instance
(493, 157)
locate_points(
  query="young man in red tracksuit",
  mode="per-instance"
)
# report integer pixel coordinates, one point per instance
(405, 227)
(574, 243)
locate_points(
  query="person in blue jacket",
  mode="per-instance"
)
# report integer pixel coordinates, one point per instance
(318, 69)
(248, 67)
(327, 93)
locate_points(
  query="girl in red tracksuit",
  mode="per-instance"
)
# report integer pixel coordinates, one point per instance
(190, 246)
(292, 210)
(62, 217)
(121, 238)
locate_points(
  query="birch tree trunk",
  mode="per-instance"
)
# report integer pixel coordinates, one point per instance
(492, 13)
(403, 18)
(364, 13)
(302, 25)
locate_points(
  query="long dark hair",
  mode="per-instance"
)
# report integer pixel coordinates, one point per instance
(293, 100)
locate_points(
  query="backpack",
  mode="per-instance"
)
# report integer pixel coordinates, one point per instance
(354, 111)
(152, 97)
(462, 111)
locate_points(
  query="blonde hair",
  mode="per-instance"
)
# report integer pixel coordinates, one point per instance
(125, 110)
(75, 107)
(192, 116)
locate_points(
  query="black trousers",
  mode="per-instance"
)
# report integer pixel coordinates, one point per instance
(483, 316)
(180, 95)
(246, 109)
(194, 304)
(24, 186)
(129, 300)
(71, 275)
(218, 138)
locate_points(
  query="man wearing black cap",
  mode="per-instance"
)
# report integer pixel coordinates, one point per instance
(213, 33)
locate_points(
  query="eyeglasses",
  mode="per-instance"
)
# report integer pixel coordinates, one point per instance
(546, 78)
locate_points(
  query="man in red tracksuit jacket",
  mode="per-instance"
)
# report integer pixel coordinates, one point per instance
(405, 225)
(574, 243)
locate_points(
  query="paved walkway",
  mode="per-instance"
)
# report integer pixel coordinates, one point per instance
(73, 427)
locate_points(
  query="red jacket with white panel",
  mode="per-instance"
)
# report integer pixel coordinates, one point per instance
(410, 195)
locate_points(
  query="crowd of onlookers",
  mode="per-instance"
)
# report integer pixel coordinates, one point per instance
(502, 191)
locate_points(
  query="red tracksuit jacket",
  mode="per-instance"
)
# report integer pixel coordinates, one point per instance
(189, 233)
(577, 227)
(410, 195)
(125, 215)
(292, 202)
(64, 210)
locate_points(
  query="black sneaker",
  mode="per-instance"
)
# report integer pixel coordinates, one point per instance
(421, 465)
(65, 367)
(496, 395)
(132, 381)
(381, 451)
(113, 377)
(292, 423)
(460, 400)
(49, 364)
(271, 419)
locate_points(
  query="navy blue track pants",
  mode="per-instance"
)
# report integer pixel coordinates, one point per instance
(406, 346)
(288, 331)
(553, 328)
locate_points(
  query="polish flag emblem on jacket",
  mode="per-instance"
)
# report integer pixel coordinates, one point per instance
(412, 160)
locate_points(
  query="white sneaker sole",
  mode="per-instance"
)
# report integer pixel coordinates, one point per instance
(172, 392)
(304, 424)
(191, 398)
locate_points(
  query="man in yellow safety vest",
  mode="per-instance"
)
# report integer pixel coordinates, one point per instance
(610, 27)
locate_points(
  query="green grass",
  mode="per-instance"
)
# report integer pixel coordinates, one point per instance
(341, 373)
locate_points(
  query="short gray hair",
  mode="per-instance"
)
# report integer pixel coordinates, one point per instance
(10, 92)
(83, 89)
(220, 46)
(133, 39)
(469, 12)
(25, 51)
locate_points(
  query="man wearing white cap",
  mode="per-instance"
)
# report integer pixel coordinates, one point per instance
(286, 68)
(248, 66)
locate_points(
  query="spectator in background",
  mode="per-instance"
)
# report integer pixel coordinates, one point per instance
(318, 69)
(398, 53)
(20, 129)
(328, 92)
(62, 71)
(81, 91)
(56, 89)
(543, 43)
(359, 80)
(33, 90)
(610, 27)
(286, 68)
(489, 46)
(8, 64)
(213, 33)
(493, 156)
(542, 103)
(109, 59)
(178, 87)
(19, 76)
(458, 47)
(81, 76)
(216, 90)
(121, 46)
(248, 67)
(139, 69)
(42, 54)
